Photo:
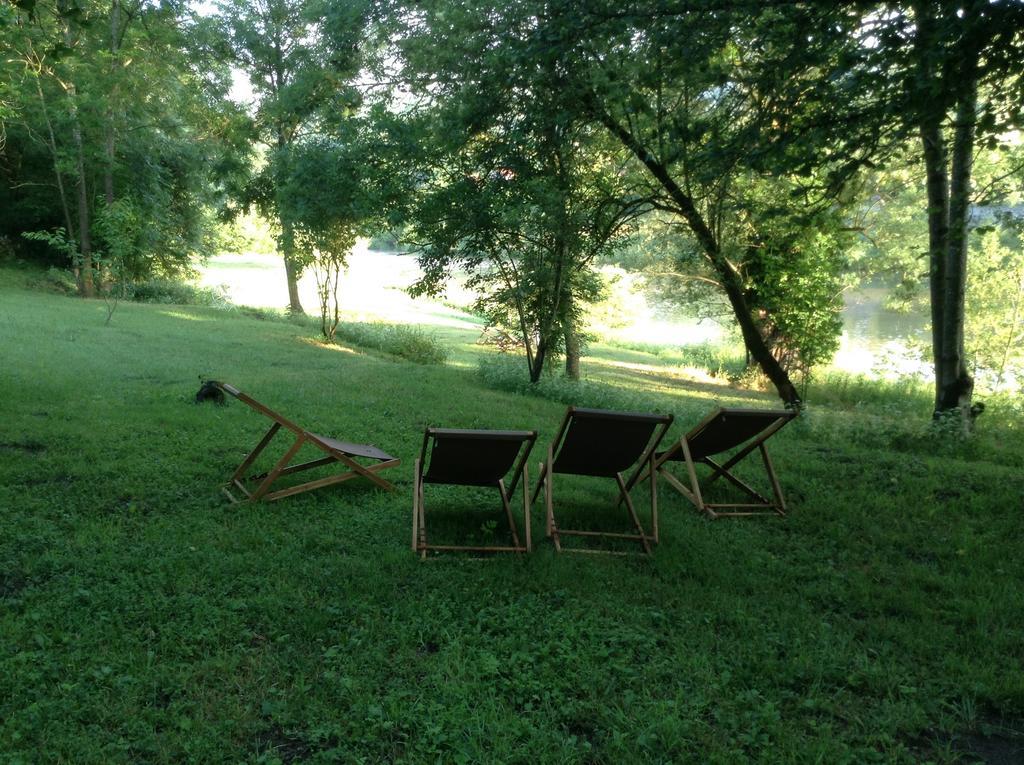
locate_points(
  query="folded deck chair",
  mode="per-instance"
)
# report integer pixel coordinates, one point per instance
(722, 431)
(596, 442)
(473, 458)
(341, 452)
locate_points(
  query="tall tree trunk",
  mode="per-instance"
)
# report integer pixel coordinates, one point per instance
(571, 337)
(291, 268)
(109, 137)
(727, 275)
(85, 282)
(955, 384)
(948, 189)
(86, 286)
(287, 243)
(52, 138)
(572, 351)
(937, 192)
(539, 357)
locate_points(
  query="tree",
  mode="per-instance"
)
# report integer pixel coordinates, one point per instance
(519, 192)
(716, 101)
(298, 56)
(110, 172)
(708, 100)
(960, 51)
(527, 227)
(331, 196)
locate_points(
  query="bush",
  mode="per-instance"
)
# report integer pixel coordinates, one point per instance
(57, 280)
(407, 342)
(508, 373)
(718, 360)
(168, 291)
(387, 242)
(849, 390)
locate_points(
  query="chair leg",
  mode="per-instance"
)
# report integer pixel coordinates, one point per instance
(654, 498)
(694, 483)
(526, 508)
(416, 505)
(632, 513)
(641, 477)
(780, 506)
(508, 513)
(423, 523)
(276, 471)
(540, 483)
(251, 457)
(549, 504)
(746, 488)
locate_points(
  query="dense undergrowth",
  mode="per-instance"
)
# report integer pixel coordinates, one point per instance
(144, 619)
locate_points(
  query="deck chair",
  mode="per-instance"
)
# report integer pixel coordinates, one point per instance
(473, 458)
(341, 452)
(596, 442)
(722, 431)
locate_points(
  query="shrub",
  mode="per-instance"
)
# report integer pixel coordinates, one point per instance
(726, 361)
(407, 342)
(850, 390)
(57, 280)
(168, 291)
(508, 373)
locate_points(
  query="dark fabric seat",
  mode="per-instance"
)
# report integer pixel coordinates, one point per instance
(473, 458)
(605, 444)
(722, 431)
(342, 452)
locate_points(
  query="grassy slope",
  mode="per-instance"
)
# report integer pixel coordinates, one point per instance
(144, 619)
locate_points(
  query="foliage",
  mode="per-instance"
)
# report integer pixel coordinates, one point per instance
(696, 115)
(299, 56)
(57, 280)
(402, 340)
(177, 292)
(501, 372)
(718, 360)
(794, 277)
(518, 191)
(80, 142)
(329, 249)
(995, 303)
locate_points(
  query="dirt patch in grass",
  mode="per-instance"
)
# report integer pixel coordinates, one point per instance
(289, 747)
(11, 583)
(995, 748)
(28, 445)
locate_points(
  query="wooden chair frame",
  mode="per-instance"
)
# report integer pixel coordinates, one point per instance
(335, 451)
(761, 504)
(419, 519)
(545, 482)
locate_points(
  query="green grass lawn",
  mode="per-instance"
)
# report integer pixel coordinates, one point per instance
(145, 619)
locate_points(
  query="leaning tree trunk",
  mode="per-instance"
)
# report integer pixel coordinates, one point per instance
(754, 341)
(537, 363)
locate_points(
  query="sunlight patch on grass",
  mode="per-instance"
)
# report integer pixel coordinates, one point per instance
(318, 342)
(186, 316)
